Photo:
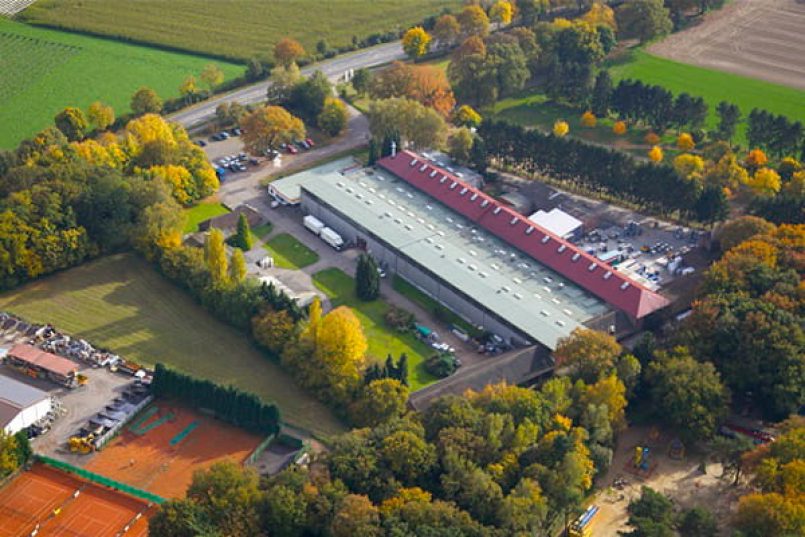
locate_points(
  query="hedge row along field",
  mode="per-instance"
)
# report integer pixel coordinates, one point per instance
(714, 86)
(42, 71)
(235, 29)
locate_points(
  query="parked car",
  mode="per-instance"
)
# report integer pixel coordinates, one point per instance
(310, 142)
(201, 143)
(236, 132)
(292, 150)
(302, 144)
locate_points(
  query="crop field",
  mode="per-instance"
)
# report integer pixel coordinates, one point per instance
(121, 303)
(757, 38)
(382, 339)
(237, 29)
(42, 71)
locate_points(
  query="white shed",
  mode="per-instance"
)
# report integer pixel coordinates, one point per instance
(558, 222)
(21, 405)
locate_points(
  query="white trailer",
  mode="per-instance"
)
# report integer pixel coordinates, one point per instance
(332, 238)
(313, 224)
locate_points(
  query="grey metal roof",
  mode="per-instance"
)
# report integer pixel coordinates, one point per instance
(529, 296)
(18, 394)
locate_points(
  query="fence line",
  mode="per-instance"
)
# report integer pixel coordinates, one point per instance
(100, 480)
(108, 435)
(261, 447)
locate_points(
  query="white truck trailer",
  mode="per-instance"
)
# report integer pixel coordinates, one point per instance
(332, 238)
(313, 224)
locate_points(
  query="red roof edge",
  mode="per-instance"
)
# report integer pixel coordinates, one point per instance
(565, 258)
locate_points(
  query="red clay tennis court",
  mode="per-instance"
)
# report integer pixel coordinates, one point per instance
(33, 497)
(162, 447)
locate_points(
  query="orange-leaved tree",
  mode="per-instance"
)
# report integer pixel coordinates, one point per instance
(287, 51)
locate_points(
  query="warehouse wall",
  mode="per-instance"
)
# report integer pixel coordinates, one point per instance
(28, 416)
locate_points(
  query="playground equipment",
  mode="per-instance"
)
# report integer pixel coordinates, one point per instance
(641, 458)
(582, 527)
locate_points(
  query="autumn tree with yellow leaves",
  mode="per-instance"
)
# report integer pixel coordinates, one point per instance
(560, 128)
(501, 12)
(588, 119)
(656, 154)
(416, 42)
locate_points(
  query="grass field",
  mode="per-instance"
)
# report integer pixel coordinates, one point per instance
(713, 86)
(121, 303)
(237, 29)
(382, 340)
(289, 253)
(42, 71)
(533, 108)
(201, 212)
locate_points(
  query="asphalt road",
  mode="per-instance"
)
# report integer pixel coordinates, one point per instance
(333, 68)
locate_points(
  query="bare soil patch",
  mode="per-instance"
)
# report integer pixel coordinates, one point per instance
(762, 39)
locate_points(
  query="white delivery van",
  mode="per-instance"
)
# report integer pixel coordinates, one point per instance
(313, 224)
(332, 238)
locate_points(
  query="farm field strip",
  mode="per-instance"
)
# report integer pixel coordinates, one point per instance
(762, 39)
(237, 29)
(45, 70)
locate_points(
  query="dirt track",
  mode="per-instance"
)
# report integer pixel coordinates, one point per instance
(758, 38)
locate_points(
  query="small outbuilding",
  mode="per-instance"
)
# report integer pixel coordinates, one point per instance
(21, 405)
(559, 223)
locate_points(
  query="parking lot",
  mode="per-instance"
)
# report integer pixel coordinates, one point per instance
(651, 251)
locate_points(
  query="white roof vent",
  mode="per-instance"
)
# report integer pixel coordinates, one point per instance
(473, 253)
(429, 240)
(592, 267)
(462, 260)
(429, 207)
(575, 257)
(518, 296)
(431, 227)
(497, 210)
(482, 274)
(484, 203)
(340, 184)
(544, 312)
(443, 179)
(561, 248)
(474, 196)
(449, 220)
(513, 221)
(368, 202)
(545, 239)
(567, 312)
(608, 275)
(453, 186)
(624, 286)
(409, 227)
(439, 247)
(414, 162)
(518, 281)
(388, 214)
(463, 191)
(560, 323)
(505, 288)
(529, 230)
(537, 296)
(433, 173)
(440, 233)
(472, 267)
(423, 168)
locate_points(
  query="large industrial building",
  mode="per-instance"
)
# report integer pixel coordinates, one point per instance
(479, 258)
(21, 405)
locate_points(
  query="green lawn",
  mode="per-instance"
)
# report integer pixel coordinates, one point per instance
(121, 303)
(290, 253)
(532, 108)
(382, 340)
(42, 71)
(424, 301)
(262, 230)
(714, 86)
(201, 212)
(237, 29)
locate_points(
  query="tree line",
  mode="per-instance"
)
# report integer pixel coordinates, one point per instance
(598, 169)
(230, 404)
